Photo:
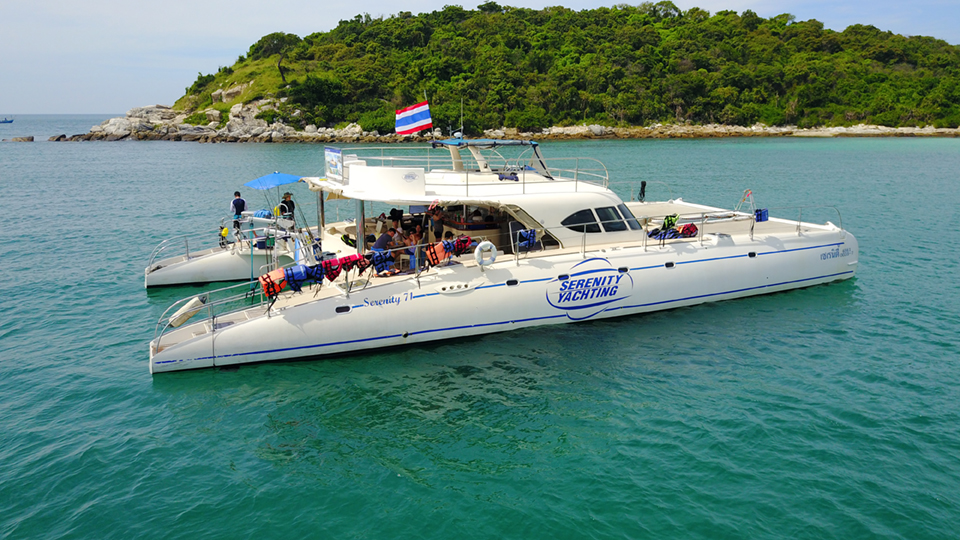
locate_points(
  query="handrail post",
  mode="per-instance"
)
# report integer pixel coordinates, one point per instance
(799, 220)
(515, 246)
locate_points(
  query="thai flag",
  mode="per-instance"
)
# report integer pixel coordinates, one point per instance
(414, 118)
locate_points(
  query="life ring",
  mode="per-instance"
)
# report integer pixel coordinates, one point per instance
(485, 246)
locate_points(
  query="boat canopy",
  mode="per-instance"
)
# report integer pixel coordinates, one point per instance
(272, 180)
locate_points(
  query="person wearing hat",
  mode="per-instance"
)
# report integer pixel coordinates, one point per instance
(287, 206)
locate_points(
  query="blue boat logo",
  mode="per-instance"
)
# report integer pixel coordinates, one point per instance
(591, 288)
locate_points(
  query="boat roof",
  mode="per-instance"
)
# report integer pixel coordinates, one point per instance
(382, 175)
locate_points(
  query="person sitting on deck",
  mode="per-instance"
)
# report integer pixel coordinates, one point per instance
(382, 260)
(383, 243)
(287, 206)
(412, 242)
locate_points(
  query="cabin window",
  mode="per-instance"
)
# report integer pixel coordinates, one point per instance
(582, 221)
(628, 215)
(610, 219)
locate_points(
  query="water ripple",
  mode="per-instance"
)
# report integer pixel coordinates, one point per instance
(828, 412)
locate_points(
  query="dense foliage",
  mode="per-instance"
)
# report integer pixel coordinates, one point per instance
(623, 65)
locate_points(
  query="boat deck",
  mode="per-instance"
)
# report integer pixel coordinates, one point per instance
(716, 226)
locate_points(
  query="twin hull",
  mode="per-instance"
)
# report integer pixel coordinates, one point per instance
(462, 300)
(220, 265)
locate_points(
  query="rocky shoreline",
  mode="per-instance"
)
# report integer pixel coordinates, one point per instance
(161, 122)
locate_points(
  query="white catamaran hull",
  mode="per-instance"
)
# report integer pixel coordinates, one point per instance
(464, 300)
(215, 265)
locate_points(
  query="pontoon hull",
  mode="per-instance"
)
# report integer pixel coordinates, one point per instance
(221, 265)
(463, 300)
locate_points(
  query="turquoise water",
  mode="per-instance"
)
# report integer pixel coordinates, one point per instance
(829, 412)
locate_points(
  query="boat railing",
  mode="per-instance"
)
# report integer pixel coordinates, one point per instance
(209, 305)
(809, 209)
(182, 244)
(246, 239)
(480, 171)
(702, 219)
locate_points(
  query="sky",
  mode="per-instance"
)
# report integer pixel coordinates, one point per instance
(108, 56)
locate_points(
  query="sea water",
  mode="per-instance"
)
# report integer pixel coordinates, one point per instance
(827, 412)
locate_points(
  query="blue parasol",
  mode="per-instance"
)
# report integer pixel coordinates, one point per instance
(272, 180)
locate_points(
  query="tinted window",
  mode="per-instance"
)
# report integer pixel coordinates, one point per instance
(582, 221)
(610, 219)
(628, 215)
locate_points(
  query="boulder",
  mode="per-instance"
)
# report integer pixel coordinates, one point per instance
(597, 131)
(352, 130)
(22, 139)
(152, 114)
(233, 93)
(213, 115)
(58, 138)
(117, 128)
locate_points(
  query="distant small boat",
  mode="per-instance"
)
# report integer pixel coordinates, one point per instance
(6, 120)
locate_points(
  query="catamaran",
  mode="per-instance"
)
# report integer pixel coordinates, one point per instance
(245, 247)
(553, 244)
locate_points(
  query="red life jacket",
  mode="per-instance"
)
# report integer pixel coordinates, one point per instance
(273, 282)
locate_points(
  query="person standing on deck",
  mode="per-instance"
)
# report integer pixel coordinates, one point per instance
(237, 206)
(438, 218)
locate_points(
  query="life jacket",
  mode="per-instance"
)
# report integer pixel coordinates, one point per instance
(435, 253)
(526, 238)
(670, 221)
(381, 261)
(461, 245)
(664, 234)
(688, 230)
(358, 261)
(331, 268)
(298, 274)
(273, 282)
